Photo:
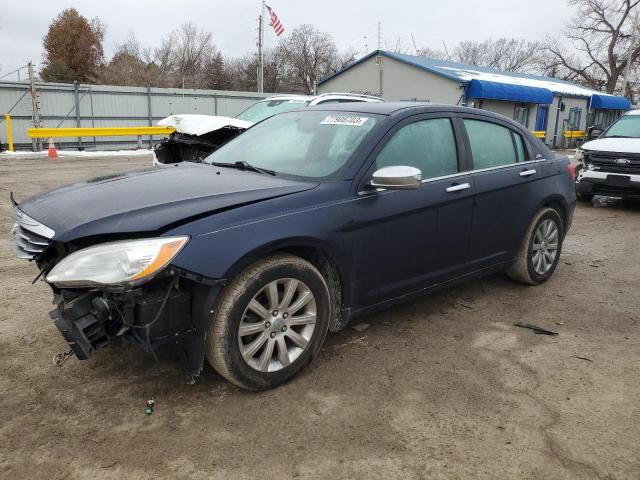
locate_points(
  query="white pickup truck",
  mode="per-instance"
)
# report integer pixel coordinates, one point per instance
(610, 165)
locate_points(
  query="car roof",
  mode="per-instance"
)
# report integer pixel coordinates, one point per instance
(323, 96)
(390, 108)
(286, 96)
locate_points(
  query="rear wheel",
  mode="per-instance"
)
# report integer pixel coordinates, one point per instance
(270, 322)
(539, 252)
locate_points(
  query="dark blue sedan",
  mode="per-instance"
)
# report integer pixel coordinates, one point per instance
(294, 228)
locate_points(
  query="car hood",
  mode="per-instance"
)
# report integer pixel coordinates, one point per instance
(148, 200)
(202, 124)
(616, 145)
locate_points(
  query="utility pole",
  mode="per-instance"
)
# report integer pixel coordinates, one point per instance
(379, 59)
(632, 45)
(35, 107)
(260, 50)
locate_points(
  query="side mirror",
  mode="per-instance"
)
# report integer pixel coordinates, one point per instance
(397, 178)
(594, 132)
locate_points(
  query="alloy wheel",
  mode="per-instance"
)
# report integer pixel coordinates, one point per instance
(277, 325)
(545, 247)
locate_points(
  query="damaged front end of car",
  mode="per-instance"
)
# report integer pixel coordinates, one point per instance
(181, 147)
(122, 289)
(195, 137)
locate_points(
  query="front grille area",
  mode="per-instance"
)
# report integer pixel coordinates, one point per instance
(30, 238)
(615, 162)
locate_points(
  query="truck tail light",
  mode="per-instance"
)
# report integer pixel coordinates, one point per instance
(572, 172)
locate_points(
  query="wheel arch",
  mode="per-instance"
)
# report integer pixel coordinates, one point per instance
(316, 252)
(558, 203)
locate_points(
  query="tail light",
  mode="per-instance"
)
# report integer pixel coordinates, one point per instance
(572, 171)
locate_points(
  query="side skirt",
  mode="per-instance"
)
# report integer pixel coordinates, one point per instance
(352, 314)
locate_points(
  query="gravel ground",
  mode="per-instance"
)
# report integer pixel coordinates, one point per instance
(445, 387)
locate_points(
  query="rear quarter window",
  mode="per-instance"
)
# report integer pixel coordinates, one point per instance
(523, 156)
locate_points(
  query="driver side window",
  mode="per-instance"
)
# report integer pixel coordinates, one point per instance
(428, 145)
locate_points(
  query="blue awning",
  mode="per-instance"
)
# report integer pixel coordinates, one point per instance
(609, 102)
(508, 91)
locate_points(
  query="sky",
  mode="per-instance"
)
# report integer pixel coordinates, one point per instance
(353, 23)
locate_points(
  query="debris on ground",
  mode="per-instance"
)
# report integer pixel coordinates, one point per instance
(582, 358)
(360, 327)
(601, 201)
(535, 328)
(149, 408)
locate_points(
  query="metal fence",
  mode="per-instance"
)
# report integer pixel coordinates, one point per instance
(76, 105)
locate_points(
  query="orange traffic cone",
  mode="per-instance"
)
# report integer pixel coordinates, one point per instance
(52, 152)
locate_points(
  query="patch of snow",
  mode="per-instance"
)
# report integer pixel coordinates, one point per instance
(200, 124)
(76, 153)
(555, 87)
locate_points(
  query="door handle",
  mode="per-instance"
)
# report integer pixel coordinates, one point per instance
(457, 188)
(527, 173)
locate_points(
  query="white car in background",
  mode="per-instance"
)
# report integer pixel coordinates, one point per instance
(197, 136)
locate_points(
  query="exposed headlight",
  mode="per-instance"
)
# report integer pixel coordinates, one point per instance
(128, 262)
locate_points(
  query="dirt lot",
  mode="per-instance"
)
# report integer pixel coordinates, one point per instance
(445, 387)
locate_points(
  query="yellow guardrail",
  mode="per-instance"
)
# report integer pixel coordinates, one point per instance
(98, 132)
(575, 134)
(540, 134)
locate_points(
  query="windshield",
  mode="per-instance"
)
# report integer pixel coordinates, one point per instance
(266, 108)
(304, 143)
(627, 126)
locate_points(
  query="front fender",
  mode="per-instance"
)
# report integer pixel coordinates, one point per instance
(223, 252)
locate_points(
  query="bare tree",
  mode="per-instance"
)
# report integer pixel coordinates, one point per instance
(193, 49)
(129, 65)
(596, 51)
(399, 46)
(432, 53)
(508, 54)
(309, 55)
(242, 72)
(186, 57)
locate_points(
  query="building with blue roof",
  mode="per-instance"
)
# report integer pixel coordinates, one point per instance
(548, 106)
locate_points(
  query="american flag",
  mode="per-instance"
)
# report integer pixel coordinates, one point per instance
(275, 22)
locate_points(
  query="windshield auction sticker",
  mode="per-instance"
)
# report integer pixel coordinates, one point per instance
(344, 120)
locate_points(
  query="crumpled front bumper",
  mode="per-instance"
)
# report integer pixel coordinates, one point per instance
(165, 313)
(598, 182)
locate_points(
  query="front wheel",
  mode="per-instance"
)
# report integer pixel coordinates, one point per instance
(270, 322)
(539, 252)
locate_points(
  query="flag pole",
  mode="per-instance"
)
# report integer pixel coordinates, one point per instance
(260, 51)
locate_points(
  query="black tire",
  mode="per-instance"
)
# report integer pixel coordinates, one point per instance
(522, 270)
(223, 352)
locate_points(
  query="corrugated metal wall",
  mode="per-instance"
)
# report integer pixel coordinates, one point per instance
(109, 106)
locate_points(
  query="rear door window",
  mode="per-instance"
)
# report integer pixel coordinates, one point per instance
(428, 145)
(491, 144)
